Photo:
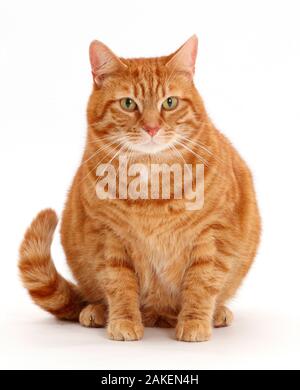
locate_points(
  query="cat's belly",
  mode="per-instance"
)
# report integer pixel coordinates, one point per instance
(160, 267)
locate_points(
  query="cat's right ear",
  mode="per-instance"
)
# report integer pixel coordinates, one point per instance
(103, 61)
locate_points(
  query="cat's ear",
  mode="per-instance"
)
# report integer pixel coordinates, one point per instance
(103, 61)
(184, 59)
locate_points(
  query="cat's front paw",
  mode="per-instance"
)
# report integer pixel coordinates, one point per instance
(125, 330)
(193, 330)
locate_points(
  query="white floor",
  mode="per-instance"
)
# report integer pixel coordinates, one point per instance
(30, 339)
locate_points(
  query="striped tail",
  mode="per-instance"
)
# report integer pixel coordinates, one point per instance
(47, 288)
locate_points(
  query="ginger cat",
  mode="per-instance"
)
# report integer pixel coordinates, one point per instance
(148, 262)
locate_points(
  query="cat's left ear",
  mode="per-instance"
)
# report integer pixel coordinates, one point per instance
(184, 59)
(103, 61)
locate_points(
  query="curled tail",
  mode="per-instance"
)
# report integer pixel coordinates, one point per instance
(46, 286)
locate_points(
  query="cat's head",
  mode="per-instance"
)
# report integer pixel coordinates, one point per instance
(143, 105)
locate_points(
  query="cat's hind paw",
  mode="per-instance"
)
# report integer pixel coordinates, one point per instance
(223, 317)
(93, 316)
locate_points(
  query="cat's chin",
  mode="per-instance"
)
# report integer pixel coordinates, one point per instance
(149, 147)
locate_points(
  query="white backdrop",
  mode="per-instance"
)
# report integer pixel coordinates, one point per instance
(247, 72)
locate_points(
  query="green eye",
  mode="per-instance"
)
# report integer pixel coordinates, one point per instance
(170, 104)
(128, 104)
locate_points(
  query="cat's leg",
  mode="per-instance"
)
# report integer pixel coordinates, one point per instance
(120, 285)
(201, 285)
(122, 292)
(93, 316)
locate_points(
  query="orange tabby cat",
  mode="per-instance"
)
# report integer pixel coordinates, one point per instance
(148, 262)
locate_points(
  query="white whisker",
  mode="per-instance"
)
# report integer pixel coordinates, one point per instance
(203, 147)
(194, 153)
(98, 163)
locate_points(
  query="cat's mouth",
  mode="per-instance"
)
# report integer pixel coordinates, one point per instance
(148, 144)
(149, 147)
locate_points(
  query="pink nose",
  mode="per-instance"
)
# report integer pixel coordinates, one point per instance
(152, 130)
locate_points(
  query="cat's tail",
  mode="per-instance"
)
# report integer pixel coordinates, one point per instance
(46, 286)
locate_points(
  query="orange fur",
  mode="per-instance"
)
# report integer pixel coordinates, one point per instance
(148, 262)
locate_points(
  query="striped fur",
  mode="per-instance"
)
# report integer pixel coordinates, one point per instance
(47, 288)
(148, 262)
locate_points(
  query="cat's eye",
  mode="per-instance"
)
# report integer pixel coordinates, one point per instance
(170, 104)
(128, 104)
